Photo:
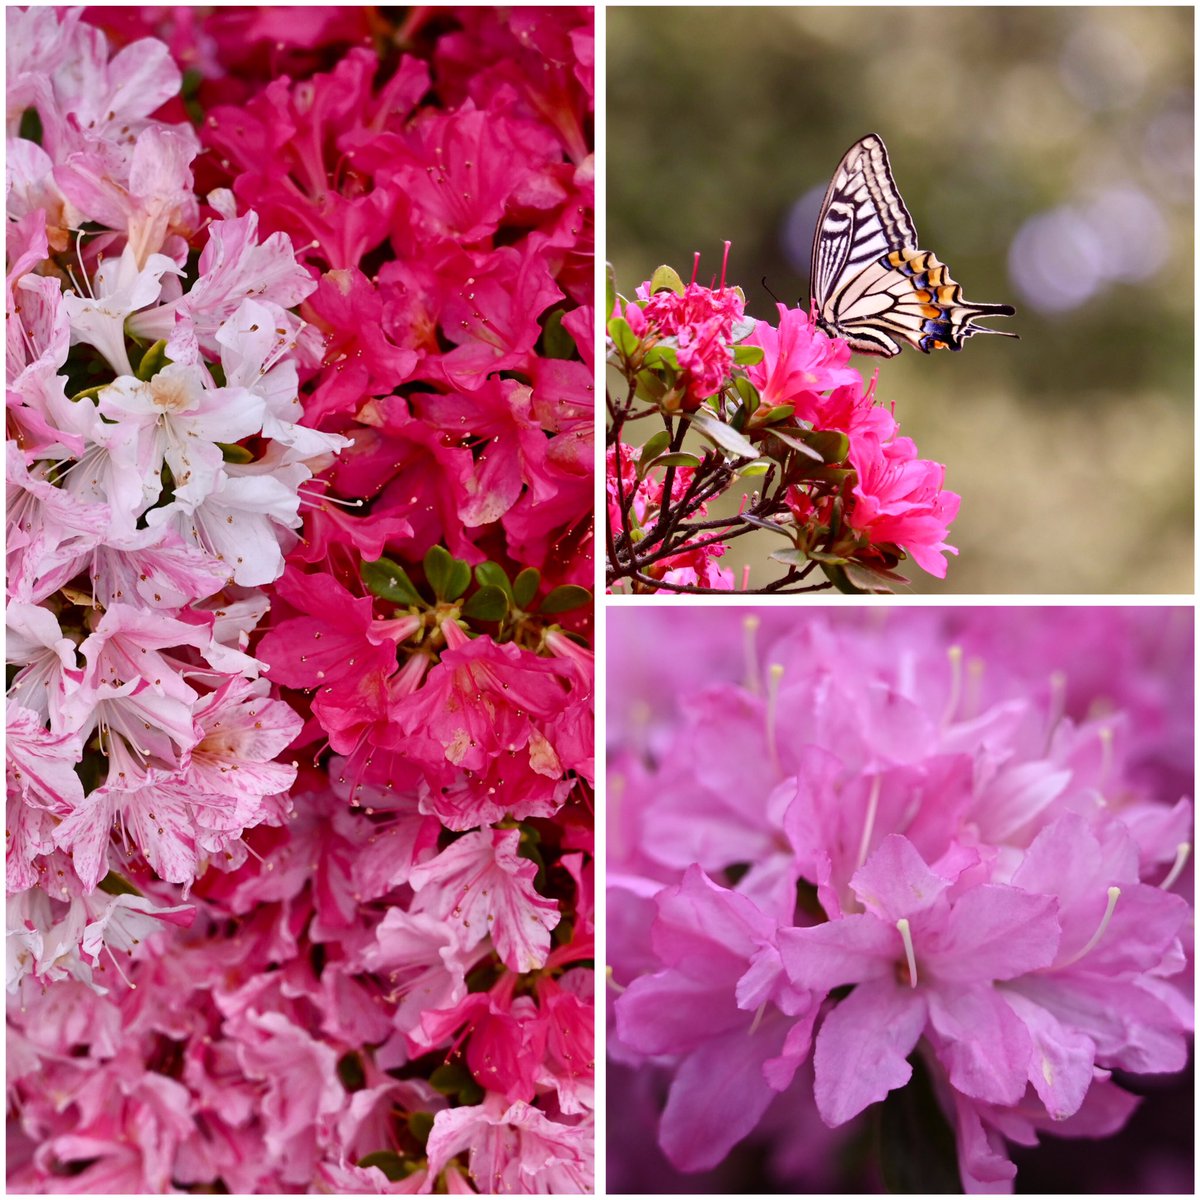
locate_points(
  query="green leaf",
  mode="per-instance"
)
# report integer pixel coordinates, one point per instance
(389, 581)
(663, 357)
(565, 598)
(31, 126)
(153, 361)
(855, 580)
(750, 470)
(916, 1144)
(420, 1125)
(488, 604)
(610, 290)
(748, 393)
(652, 447)
(650, 387)
(389, 1162)
(490, 574)
(747, 356)
(623, 337)
(525, 586)
(89, 393)
(666, 279)
(233, 453)
(449, 1078)
(724, 436)
(117, 885)
(792, 440)
(831, 445)
(556, 341)
(680, 458)
(448, 576)
(794, 558)
(779, 413)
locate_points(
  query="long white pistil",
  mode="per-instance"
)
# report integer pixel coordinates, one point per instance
(906, 935)
(955, 655)
(1058, 704)
(1182, 851)
(1105, 734)
(1114, 894)
(774, 675)
(869, 823)
(750, 640)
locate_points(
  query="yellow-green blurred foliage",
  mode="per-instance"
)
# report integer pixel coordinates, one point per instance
(1046, 155)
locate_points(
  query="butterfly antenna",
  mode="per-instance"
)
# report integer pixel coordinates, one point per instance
(770, 293)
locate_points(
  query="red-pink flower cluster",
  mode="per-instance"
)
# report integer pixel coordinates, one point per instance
(778, 404)
(369, 969)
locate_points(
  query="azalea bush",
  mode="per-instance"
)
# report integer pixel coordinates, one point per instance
(773, 410)
(894, 894)
(299, 753)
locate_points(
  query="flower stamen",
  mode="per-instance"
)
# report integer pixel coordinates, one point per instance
(955, 655)
(774, 675)
(1058, 704)
(1182, 852)
(1114, 894)
(750, 641)
(909, 953)
(869, 823)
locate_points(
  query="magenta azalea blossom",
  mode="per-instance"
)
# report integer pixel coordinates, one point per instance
(842, 845)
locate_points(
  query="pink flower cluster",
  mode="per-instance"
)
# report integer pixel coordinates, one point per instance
(896, 499)
(849, 494)
(644, 490)
(342, 375)
(945, 845)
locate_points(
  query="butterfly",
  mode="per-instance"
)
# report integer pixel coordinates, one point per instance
(869, 283)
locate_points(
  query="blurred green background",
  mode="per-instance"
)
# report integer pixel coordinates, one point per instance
(1046, 155)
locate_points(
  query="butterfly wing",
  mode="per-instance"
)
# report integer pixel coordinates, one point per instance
(870, 284)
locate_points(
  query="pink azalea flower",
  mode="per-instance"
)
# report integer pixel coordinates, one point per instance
(511, 1148)
(721, 974)
(120, 287)
(798, 361)
(481, 887)
(899, 499)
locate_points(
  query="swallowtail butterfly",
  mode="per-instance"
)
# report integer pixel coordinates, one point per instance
(870, 285)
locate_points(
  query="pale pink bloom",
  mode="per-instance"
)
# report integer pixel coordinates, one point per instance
(258, 353)
(41, 786)
(121, 924)
(241, 733)
(30, 188)
(179, 419)
(512, 1149)
(43, 940)
(38, 341)
(155, 567)
(301, 1095)
(108, 469)
(424, 961)
(35, 643)
(234, 266)
(242, 521)
(119, 288)
(155, 197)
(48, 530)
(82, 95)
(480, 886)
